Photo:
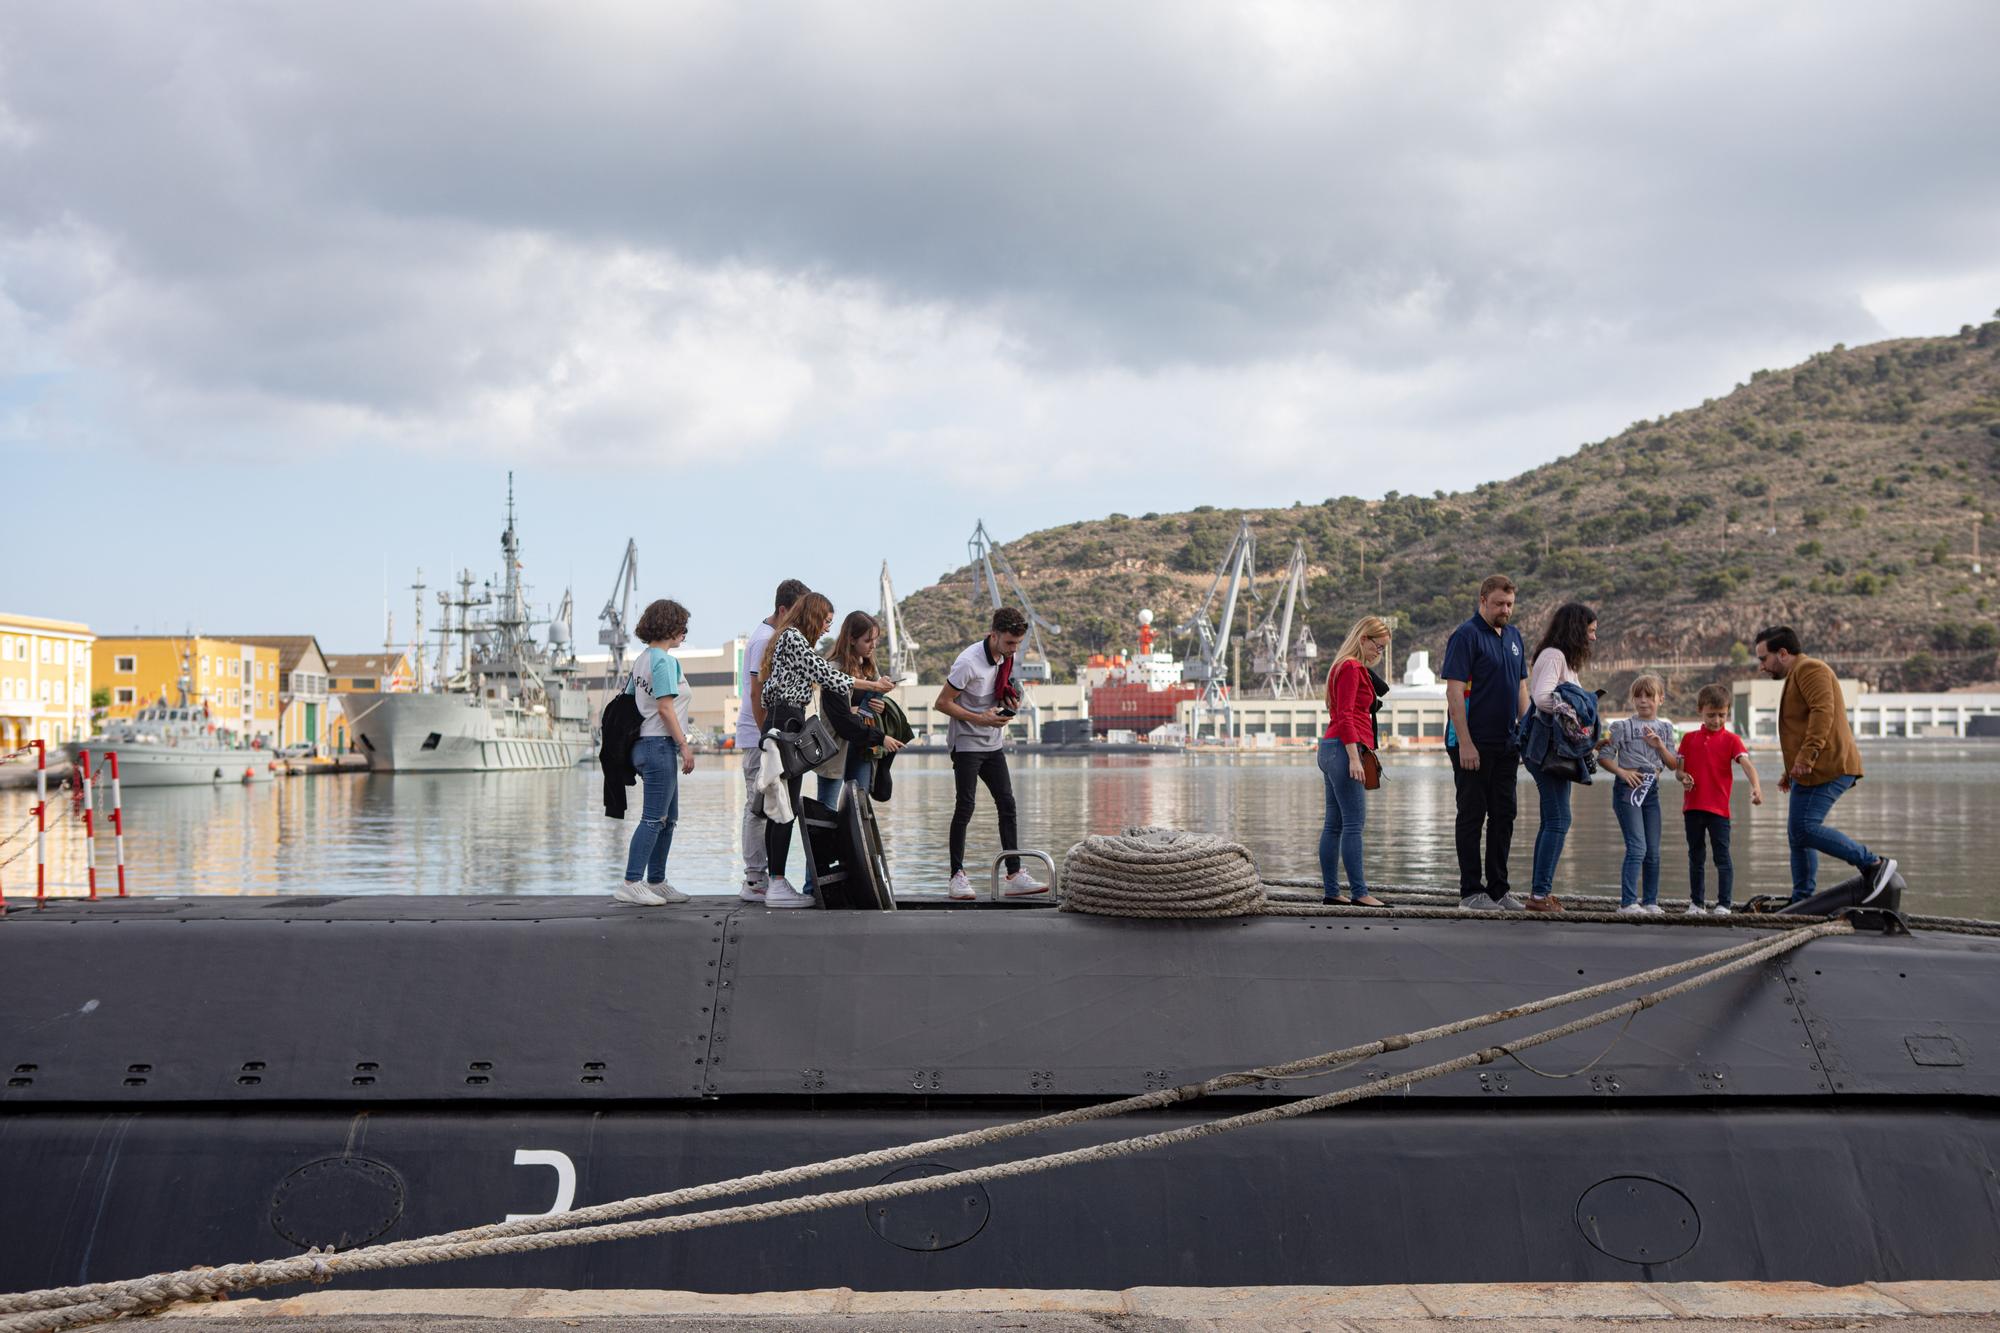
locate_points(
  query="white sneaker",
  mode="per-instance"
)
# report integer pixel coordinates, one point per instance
(1021, 884)
(667, 893)
(780, 893)
(751, 893)
(960, 887)
(1718, 910)
(635, 894)
(1654, 909)
(1696, 909)
(1631, 909)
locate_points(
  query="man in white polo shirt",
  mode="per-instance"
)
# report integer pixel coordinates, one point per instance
(979, 696)
(750, 743)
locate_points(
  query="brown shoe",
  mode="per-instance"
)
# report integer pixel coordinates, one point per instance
(1548, 904)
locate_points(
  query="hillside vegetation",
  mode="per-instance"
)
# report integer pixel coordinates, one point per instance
(1840, 496)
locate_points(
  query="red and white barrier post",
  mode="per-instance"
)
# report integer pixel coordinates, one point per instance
(89, 827)
(117, 819)
(41, 821)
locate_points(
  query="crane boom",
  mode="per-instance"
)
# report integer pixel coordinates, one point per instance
(902, 648)
(985, 555)
(1206, 666)
(616, 615)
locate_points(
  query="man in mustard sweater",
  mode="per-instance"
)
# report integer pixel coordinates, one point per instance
(1821, 762)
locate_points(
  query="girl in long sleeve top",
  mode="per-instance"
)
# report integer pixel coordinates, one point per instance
(853, 715)
(1564, 648)
(790, 672)
(1351, 702)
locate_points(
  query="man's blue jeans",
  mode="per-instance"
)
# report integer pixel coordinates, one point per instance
(658, 761)
(1806, 830)
(1641, 826)
(1553, 831)
(1346, 815)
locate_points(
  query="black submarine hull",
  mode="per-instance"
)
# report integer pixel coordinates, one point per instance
(209, 1080)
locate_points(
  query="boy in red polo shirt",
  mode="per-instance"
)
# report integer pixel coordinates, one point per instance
(1707, 759)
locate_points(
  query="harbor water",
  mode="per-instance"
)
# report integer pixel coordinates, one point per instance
(1932, 804)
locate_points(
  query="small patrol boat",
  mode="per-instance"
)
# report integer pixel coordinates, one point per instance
(173, 745)
(207, 1080)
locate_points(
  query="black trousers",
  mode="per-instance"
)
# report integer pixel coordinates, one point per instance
(778, 837)
(969, 768)
(1485, 801)
(1706, 825)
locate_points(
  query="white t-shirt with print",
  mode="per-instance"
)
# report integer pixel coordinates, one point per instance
(975, 675)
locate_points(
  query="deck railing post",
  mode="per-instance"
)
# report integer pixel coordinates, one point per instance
(41, 821)
(89, 825)
(117, 819)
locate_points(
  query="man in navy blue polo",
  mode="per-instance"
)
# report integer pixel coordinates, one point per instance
(1486, 692)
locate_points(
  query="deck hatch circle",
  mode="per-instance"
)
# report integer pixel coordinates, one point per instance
(925, 1223)
(1638, 1219)
(337, 1201)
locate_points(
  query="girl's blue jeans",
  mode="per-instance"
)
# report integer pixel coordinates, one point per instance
(658, 761)
(1553, 831)
(1641, 826)
(1346, 815)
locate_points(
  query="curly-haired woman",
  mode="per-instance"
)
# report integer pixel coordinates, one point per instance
(660, 756)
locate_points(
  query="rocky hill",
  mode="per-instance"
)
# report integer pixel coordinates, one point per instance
(1841, 496)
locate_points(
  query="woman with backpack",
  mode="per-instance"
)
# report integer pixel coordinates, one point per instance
(1562, 653)
(659, 756)
(790, 672)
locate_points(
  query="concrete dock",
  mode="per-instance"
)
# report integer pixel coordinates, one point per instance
(1720, 1307)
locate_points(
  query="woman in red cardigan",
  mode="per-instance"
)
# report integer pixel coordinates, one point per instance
(1353, 696)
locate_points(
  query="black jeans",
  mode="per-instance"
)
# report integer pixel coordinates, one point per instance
(778, 837)
(1485, 800)
(1704, 825)
(969, 768)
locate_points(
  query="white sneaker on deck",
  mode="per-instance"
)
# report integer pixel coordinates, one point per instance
(780, 893)
(1654, 909)
(667, 893)
(1719, 910)
(634, 894)
(1632, 909)
(1021, 884)
(751, 893)
(1696, 909)
(960, 887)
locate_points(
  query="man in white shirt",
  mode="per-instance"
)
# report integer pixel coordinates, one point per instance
(979, 696)
(750, 742)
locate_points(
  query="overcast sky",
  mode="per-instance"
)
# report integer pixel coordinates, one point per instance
(285, 290)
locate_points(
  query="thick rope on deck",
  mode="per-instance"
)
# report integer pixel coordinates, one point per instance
(1167, 873)
(77, 1306)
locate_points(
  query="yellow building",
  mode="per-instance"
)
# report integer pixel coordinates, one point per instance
(365, 673)
(305, 702)
(44, 680)
(237, 682)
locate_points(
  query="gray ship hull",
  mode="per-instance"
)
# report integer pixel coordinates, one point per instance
(141, 765)
(457, 733)
(1829, 1117)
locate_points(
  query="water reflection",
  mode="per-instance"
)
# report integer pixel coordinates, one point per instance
(1930, 804)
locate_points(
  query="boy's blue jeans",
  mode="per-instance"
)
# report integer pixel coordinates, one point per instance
(658, 761)
(1641, 826)
(1553, 831)
(1346, 816)
(1806, 830)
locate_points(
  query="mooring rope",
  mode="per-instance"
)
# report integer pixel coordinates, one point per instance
(71, 1307)
(1154, 872)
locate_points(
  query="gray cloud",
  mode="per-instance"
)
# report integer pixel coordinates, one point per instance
(453, 217)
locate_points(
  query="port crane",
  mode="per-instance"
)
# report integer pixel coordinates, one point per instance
(616, 615)
(1282, 660)
(1207, 666)
(900, 647)
(984, 555)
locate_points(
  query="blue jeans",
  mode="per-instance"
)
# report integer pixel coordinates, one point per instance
(1641, 826)
(1806, 830)
(1707, 829)
(1553, 831)
(658, 761)
(1346, 814)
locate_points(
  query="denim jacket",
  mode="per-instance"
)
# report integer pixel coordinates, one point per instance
(1547, 737)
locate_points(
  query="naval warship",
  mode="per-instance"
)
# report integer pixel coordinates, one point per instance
(204, 1080)
(510, 703)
